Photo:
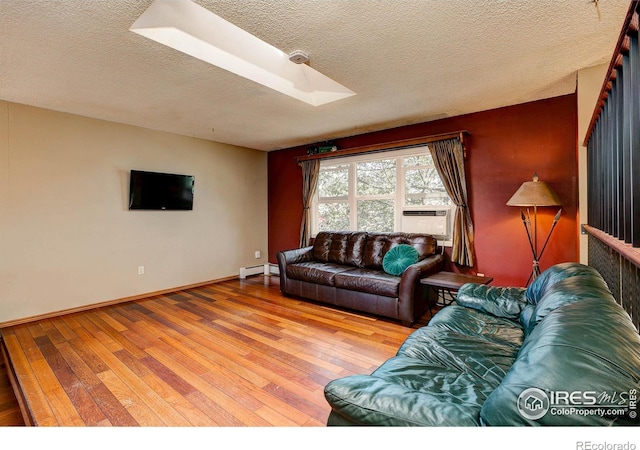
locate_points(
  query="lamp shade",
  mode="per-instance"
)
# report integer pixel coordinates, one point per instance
(534, 193)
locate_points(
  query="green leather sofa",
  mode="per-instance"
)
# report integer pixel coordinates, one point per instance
(561, 352)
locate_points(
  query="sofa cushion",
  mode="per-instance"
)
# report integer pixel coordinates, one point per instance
(588, 346)
(369, 281)
(425, 244)
(441, 375)
(408, 392)
(567, 291)
(505, 302)
(375, 247)
(552, 275)
(321, 246)
(412, 396)
(340, 247)
(468, 340)
(315, 272)
(378, 244)
(398, 258)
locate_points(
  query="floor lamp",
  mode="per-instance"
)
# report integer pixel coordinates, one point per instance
(534, 194)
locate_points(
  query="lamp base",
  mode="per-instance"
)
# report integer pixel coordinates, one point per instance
(532, 234)
(534, 273)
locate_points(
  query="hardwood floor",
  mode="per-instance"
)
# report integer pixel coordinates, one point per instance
(9, 409)
(235, 353)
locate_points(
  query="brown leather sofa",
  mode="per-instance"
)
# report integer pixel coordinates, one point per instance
(346, 269)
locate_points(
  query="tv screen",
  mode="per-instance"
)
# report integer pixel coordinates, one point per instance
(160, 191)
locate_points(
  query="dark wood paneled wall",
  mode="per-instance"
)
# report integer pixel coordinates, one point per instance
(506, 146)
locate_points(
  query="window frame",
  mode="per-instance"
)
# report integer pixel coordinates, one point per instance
(399, 196)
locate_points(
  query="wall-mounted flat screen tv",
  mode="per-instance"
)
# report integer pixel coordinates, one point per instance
(160, 191)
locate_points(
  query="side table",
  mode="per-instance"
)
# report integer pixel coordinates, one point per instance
(447, 284)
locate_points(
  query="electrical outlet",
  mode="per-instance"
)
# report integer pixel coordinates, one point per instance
(257, 254)
(140, 270)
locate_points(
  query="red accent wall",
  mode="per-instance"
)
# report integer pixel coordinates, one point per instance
(505, 147)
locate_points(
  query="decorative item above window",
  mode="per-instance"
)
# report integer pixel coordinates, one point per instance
(394, 145)
(325, 147)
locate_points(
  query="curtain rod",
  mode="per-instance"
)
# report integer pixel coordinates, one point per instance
(389, 145)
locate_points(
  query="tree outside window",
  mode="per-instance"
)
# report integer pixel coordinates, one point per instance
(369, 193)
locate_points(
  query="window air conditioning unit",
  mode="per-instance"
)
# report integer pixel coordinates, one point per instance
(433, 221)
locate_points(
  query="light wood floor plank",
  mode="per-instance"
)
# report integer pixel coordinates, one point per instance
(194, 416)
(138, 388)
(143, 415)
(276, 419)
(61, 405)
(81, 409)
(234, 408)
(35, 396)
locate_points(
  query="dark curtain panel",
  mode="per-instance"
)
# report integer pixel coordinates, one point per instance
(448, 157)
(310, 171)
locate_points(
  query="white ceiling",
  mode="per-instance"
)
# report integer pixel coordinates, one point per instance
(409, 61)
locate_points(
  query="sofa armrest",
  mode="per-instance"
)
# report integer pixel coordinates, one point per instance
(370, 400)
(292, 256)
(422, 269)
(410, 296)
(295, 255)
(507, 302)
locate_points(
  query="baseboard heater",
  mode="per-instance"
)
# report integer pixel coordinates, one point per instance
(265, 269)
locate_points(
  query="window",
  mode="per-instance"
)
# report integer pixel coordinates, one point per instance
(371, 192)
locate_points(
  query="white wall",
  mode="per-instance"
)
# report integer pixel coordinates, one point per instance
(589, 85)
(67, 238)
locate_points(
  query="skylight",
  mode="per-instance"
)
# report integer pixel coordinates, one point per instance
(196, 31)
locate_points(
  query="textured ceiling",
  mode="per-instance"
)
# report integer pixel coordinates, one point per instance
(409, 61)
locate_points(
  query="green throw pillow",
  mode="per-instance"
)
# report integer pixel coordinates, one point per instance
(397, 259)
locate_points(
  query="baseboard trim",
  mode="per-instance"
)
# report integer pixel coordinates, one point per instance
(132, 298)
